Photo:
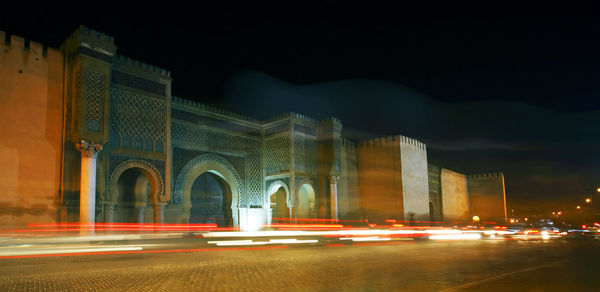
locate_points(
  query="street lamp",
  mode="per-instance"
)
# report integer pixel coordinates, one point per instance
(578, 207)
(588, 200)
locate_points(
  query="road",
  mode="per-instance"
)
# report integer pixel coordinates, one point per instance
(491, 265)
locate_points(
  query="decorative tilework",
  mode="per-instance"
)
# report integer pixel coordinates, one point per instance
(277, 154)
(139, 120)
(94, 83)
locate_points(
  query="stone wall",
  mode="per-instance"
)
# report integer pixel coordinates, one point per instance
(415, 185)
(435, 193)
(393, 178)
(31, 112)
(348, 182)
(380, 179)
(455, 199)
(487, 197)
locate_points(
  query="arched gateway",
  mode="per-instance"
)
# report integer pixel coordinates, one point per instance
(305, 207)
(279, 201)
(131, 187)
(222, 173)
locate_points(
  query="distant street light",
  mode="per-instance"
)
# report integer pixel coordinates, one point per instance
(588, 200)
(578, 207)
(598, 190)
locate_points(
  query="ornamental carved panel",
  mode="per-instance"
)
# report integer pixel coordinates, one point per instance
(137, 121)
(277, 154)
(94, 93)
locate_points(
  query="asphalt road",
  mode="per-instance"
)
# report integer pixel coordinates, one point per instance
(490, 265)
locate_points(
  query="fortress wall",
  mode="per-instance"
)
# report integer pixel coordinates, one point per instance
(415, 184)
(348, 182)
(31, 115)
(380, 178)
(487, 197)
(455, 199)
(435, 192)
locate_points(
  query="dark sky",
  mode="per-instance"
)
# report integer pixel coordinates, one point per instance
(502, 88)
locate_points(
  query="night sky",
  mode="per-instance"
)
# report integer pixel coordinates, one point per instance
(511, 89)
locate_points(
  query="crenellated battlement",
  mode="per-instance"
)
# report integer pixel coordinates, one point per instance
(348, 143)
(93, 36)
(302, 117)
(278, 117)
(86, 38)
(212, 109)
(122, 60)
(20, 43)
(486, 175)
(291, 115)
(411, 141)
(389, 139)
(335, 121)
(377, 141)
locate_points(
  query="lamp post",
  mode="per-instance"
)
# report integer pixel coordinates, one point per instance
(588, 210)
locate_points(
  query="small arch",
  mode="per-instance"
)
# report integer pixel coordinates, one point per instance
(155, 180)
(273, 187)
(306, 199)
(133, 197)
(279, 200)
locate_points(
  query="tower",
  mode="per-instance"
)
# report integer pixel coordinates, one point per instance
(88, 56)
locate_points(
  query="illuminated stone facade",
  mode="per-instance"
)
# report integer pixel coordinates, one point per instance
(92, 136)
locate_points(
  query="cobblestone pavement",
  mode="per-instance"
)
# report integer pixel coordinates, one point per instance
(427, 266)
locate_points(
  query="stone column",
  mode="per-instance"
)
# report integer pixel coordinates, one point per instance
(333, 200)
(109, 213)
(87, 190)
(159, 213)
(139, 213)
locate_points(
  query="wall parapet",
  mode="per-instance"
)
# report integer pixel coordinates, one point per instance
(486, 175)
(302, 117)
(212, 109)
(389, 139)
(85, 39)
(348, 143)
(85, 33)
(411, 141)
(290, 115)
(337, 123)
(141, 65)
(11, 40)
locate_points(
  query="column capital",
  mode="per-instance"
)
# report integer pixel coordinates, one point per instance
(333, 178)
(88, 149)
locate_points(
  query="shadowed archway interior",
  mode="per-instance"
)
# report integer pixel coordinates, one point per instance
(278, 201)
(134, 189)
(306, 202)
(211, 200)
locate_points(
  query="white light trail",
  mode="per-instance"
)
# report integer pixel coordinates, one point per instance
(471, 236)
